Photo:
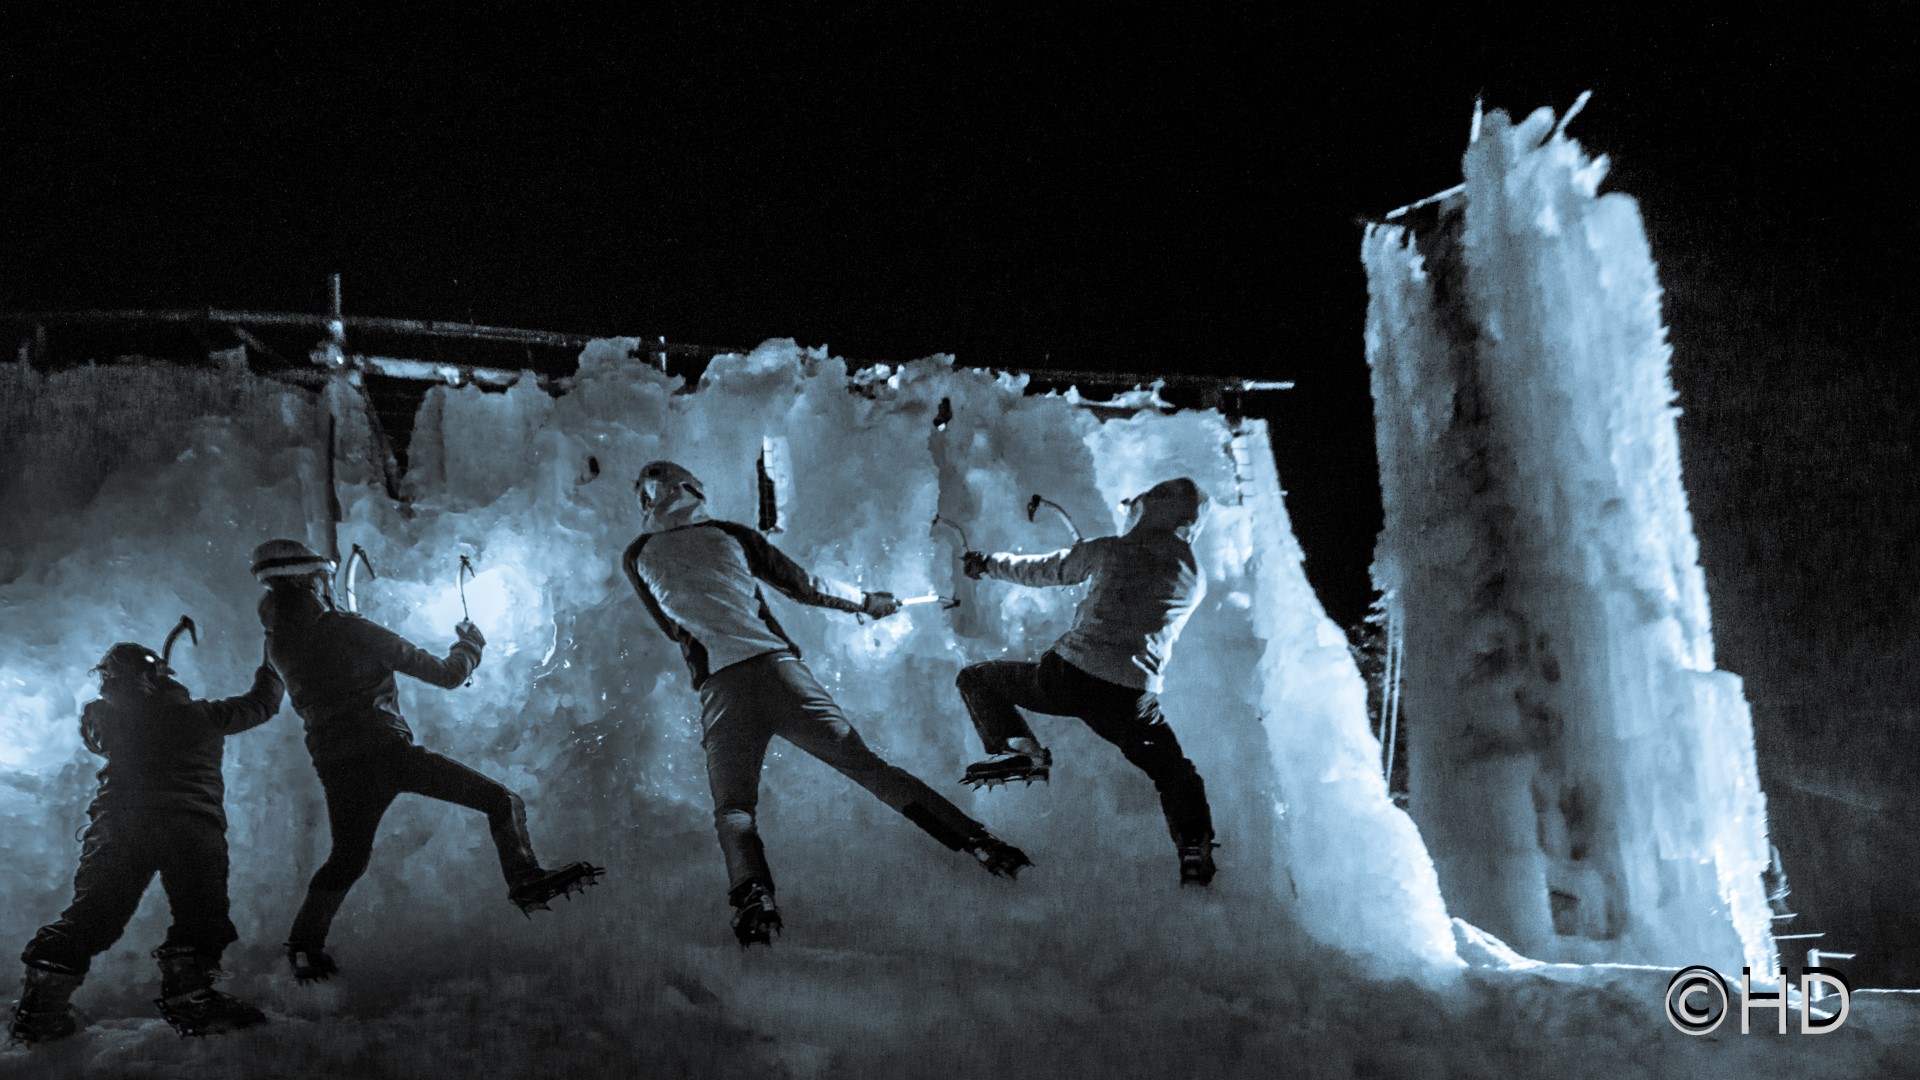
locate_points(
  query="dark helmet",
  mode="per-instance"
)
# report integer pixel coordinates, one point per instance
(287, 559)
(128, 660)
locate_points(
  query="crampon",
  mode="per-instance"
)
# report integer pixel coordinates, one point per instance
(1008, 767)
(755, 919)
(1000, 858)
(27, 1028)
(207, 1012)
(532, 894)
(1196, 863)
(310, 963)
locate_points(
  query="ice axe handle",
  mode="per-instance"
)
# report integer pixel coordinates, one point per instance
(466, 571)
(947, 603)
(357, 560)
(1033, 507)
(965, 544)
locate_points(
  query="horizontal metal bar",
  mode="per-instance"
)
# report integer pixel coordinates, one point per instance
(553, 339)
(1228, 383)
(428, 371)
(422, 327)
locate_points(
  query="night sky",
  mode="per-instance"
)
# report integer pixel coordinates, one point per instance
(1145, 192)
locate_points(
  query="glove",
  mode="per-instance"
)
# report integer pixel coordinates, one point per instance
(265, 675)
(470, 634)
(974, 564)
(879, 605)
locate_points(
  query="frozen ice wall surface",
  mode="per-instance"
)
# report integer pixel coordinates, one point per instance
(1582, 773)
(900, 957)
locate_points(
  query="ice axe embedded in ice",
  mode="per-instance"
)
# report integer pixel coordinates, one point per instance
(184, 626)
(356, 559)
(955, 525)
(466, 571)
(1033, 507)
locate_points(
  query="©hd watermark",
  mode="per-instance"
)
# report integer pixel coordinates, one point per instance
(1702, 981)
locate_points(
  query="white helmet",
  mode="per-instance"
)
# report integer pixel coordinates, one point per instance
(669, 494)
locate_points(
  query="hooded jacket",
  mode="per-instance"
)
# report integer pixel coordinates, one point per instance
(1146, 584)
(164, 749)
(339, 670)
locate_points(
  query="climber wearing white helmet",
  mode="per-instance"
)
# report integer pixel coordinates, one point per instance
(1107, 669)
(700, 580)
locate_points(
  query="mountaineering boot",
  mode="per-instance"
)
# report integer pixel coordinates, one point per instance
(43, 1013)
(307, 941)
(310, 963)
(999, 857)
(189, 1002)
(1196, 862)
(532, 891)
(1024, 759)
(755, 918)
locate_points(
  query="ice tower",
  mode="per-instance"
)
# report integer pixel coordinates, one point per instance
(1583, 775)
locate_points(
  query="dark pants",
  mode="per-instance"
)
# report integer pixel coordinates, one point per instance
(995, 692)
(123, 849)
(744, 705)
(359, 789)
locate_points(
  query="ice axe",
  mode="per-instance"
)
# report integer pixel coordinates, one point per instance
(184, 626)
(466, 571)
(955, 526)
(1033, 507)
(947, 603)
(356, 559)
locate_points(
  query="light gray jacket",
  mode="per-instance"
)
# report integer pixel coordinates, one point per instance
(1146, 584)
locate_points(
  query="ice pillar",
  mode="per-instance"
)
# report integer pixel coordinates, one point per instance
(1582, 774)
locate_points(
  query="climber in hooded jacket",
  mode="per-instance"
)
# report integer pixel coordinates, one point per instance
(160, 808)
(339, 668)
(700, 580)
(1109, 668)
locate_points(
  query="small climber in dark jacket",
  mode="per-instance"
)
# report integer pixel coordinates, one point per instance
(339, 670)
(159, 808)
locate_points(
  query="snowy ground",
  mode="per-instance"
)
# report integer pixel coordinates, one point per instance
(1127, 981)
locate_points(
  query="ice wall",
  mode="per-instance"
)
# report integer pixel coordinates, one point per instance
(151, 485)
(1583, 775)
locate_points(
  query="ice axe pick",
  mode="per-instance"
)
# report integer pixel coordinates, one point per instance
(184, 626)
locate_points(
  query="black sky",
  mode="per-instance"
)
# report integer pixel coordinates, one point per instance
(1088, 188)
(1142, 191)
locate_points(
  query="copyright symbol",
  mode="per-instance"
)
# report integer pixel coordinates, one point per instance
(1680, 990)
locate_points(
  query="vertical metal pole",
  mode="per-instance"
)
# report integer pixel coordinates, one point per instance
(333, 491)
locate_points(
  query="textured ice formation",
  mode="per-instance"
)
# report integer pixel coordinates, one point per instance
(1582, 773)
